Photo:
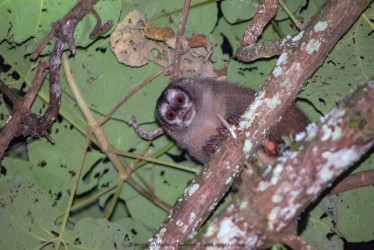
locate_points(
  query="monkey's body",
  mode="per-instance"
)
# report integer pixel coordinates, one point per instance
(192, 119)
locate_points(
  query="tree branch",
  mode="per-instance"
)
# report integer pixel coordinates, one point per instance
(178, 44)
(361, 179)
(265, 12)
(272, 100)
(299, 178)
(22, 121)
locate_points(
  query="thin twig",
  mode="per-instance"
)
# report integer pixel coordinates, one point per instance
(289, 13)
(9, 93)
(145, 82)
(91, 198)
(158, 161)
(102, 140)
(98, 29)
(74, 189)
(36, 84)
(368, 21)
(42, 45)
(178, 44)
(114, 201)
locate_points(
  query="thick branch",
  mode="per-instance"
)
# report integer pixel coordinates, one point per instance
(265, 12)
(277, 93)
(64, 30)
(22, 121)
(267, 49)
(300, 177)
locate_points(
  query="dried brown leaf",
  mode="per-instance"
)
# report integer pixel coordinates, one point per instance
(156, 33)
(129, 43)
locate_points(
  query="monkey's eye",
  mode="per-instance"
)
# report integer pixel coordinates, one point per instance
(179, 99)
(170, 115)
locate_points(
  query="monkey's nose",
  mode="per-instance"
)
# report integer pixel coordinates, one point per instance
(181, 113)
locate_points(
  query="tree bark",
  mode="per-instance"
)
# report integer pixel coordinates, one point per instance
(266, 208)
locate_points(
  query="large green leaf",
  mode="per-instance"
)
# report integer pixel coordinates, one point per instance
(320, 232)
(20, 19)
(350, 63)
(237, 10)
(26, 215)
(52, 166)
(24, 20)
(97, 234)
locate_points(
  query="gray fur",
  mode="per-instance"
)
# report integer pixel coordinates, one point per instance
(207, 98)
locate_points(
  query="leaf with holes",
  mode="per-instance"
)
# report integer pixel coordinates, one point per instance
(26, 216)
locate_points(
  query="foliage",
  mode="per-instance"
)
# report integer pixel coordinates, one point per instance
(35, 188)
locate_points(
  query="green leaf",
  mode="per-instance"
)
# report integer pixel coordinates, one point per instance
(139, 232)
(350, 63)
(53, 167)
(20, 19)
(353, 208)
(320, 233)
(233, 33)
(26, 215)
(249, 75)
(237, 10)
(97, 234)
(23, 20)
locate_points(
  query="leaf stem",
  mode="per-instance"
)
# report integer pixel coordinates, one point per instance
(371, 24)
(158, 161)
(75, 185)
(113, 203)
(92, 198)
(102, 140)
(290, 14)
(145, 82)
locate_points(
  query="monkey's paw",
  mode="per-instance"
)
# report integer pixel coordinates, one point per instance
(233, 120)
(212, 144)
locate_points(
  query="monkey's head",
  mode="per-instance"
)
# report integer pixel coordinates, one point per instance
(175, 109)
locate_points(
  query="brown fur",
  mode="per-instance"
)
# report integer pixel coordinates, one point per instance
(210, 98)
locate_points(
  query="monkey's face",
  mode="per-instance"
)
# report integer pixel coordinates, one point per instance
(175, 109)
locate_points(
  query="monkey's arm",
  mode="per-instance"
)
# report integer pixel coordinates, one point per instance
(145, 135)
